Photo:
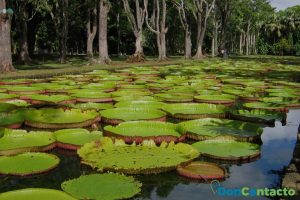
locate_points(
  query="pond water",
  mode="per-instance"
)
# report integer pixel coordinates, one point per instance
(277, 148)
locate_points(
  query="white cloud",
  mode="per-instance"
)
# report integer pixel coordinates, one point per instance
(283, 4)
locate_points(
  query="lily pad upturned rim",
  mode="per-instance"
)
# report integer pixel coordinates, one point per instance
(73, 139)
(107, 186)
(210, 128)
(15, 166)
(125, 131)
(38, 193)
(113, 116)
(36, 141)
(216, 172)
(37, 118)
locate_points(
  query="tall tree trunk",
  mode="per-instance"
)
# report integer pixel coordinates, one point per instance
(163, 46)
(91, 27)
(64, 34)
(23, 56)
(5, 40)
(103, 47)
(188, 44)
(241, 43)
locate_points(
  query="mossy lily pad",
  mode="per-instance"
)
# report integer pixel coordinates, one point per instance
(59, 118)
(73, 139)
(6, 107)
(18, 103)
(209, 128)
(227, 149)
(201, 170)
(6, 97)
(118, 115)
(260, 116)
(102, 187)
(35, 194)
(17, 141)
(28, 163)
(195, 110)
(139, 131)
(120, 157)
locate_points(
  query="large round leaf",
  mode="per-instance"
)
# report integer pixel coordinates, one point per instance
(17, 141)
(35, 194)
(140, 104)
(59, 118)
(118, 115)
(208, 128)
(28, 163)
(74, 138)
(13, 119)
(195, 110)
(139, 131)
(227, 149)
(146, 158)
(102, 187)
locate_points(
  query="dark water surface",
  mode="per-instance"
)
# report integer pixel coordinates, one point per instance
(277, 148)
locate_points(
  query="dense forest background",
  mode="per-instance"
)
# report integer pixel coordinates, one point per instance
(191, 28)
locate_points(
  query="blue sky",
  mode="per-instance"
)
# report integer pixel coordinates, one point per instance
(283, 4)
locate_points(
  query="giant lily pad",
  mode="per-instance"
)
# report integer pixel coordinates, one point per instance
(92, 97)
(24, 90)
(35, 194)
(6, 97)
(59, 118)
(265, 106)
(73, 139)
(146, 158)
(6, 107)
(102, 187)
(256, 115)
(227, 149)
(224, 99)
(118, 115)
(140, 104)
(28, 163)
(13, 119)
(145, 130)
(175, 98)
(91, 106)
(208, 128)
(17, 141)
(195, 110)
(49, 99)
(201, 170)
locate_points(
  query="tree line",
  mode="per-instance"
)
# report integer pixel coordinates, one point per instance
(100, 28)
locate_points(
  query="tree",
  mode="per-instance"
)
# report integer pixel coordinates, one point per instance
(158, 25)
(58, 10)
(5, 38)
(183, 8)
(136, 24)
(91, 27)
(202, 11)
(104, 7)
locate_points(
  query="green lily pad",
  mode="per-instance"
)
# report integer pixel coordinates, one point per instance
(13, 119)
(48, 98)
(174, 98)
(91, 106)
(6, 97)
(102, 187)
(120, 157)
(216, 99)
(92, 97)
(195, 110)
(261, 116)
(35, 194)
(140, 104)
(209, 128)
(17, 141)
(227, 149)
(6, 107)
(59, 118)
(118, 115)
(73, 139)
(139, 131)
(265, 106)
(27, 163)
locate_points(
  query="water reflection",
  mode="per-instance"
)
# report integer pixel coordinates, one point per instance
(277, 150)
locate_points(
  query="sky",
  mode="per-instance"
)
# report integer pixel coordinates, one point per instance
(283, 4)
